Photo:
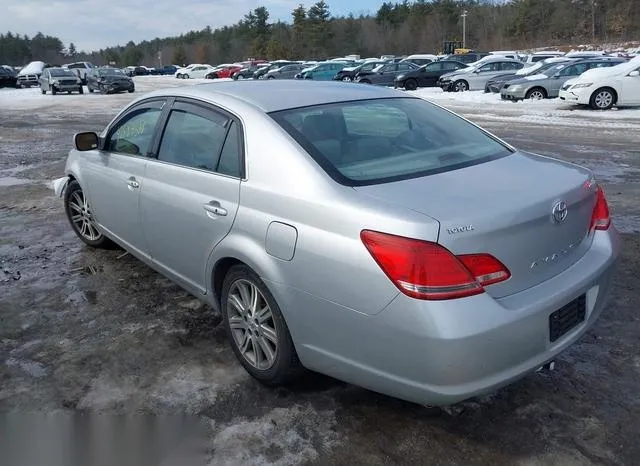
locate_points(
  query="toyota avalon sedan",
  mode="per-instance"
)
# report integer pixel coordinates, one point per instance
(355, 231)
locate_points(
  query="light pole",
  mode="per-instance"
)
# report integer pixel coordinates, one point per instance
(464, 29)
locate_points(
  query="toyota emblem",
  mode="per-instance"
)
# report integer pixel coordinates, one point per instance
(559, 212)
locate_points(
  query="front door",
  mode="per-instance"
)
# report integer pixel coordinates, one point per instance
(115, 174)
(192, 190)
(631, 88)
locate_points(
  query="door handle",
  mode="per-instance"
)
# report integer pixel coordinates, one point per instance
(214, 208)
(133, 183)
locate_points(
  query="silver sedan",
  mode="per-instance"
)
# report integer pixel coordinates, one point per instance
(355, 231)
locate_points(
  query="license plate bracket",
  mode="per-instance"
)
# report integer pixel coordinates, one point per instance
(567, 318)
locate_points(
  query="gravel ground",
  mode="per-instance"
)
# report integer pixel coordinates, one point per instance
(98, 331)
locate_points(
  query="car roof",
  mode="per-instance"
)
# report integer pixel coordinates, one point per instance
(274, 95)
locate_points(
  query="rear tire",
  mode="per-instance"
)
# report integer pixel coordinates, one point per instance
(81, 91)
(603, 99)
(79, 214)
(411, 85)
(347, 79)
(90, 89)
(270, 77)
(256, 328)
(43, 91)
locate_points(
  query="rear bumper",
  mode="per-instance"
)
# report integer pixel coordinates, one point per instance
(439, 353)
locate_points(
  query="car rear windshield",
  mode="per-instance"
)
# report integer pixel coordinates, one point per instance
(61, 72)
(382, 140)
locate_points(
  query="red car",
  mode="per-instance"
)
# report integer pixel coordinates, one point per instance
(223, 71)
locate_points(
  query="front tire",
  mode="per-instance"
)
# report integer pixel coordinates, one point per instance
(79, 214)
(346, 79)
(43, 91)
(537, 93)
(53, 91)
(460, 86)
(411, 85)
(81, 91)
(603, 99)
(256, 328)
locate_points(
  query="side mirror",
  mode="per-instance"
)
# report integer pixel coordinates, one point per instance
(634, 73)
(86, 141)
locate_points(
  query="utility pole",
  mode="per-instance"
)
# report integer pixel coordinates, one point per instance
(464, 29)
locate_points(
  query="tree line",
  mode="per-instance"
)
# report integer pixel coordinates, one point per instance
(420, 26)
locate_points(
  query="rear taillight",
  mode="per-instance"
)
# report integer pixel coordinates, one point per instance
(600, 219)
(426, 270)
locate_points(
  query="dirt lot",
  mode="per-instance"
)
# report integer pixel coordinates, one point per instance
(84, 330)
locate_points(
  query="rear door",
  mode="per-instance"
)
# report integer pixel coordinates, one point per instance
(192, 188)
(114, 176)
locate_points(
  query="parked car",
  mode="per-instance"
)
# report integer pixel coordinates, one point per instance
(260, 72)
(467, 58)
(420, 59)
(324, 71)
(29, 75)
(57, 80)
(542, 56)
(507, 54)
(223, 71)
(390, 218)
(474, 78)
(602, 88)
(349, 73)
(198, 72)
(496, 83)
(8, 77)
(247, 71)
(547, 84)
(285, 72)
(80, 69)
(109, 80)
(167, 70)
(140, 71)
(385, 75)
(427, 75)
(181, 71)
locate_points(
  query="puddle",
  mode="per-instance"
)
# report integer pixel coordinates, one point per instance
(12, 181)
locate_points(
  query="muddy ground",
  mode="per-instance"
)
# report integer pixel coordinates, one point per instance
(84, 330)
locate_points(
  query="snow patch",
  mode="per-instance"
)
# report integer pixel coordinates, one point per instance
(192, 388)
(283, 437)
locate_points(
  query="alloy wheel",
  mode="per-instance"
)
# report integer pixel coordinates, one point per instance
(252, 324)
(603, 99)
(536, 95)
(82, 218)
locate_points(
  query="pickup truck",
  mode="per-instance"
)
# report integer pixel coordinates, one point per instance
(80, 69)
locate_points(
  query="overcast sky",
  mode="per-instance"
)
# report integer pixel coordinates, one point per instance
(94, 24)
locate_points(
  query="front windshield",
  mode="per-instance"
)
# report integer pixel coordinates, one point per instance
(382, 140)
(61, 73)
(110, 72)
(526, 71)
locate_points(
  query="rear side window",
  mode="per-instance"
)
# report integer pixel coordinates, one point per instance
(382, 140)
(193, 140)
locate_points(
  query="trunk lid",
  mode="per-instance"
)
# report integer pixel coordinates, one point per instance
(505, 208)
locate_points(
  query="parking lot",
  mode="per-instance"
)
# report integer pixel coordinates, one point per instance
(91, 330)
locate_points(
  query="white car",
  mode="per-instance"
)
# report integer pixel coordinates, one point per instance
(602, 88)
(182, 71)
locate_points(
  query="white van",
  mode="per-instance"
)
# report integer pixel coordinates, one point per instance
(541, 56)
(507, 54)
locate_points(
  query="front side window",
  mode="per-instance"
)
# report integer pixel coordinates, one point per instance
(193, 140)
(380, 140)
(134, 133)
